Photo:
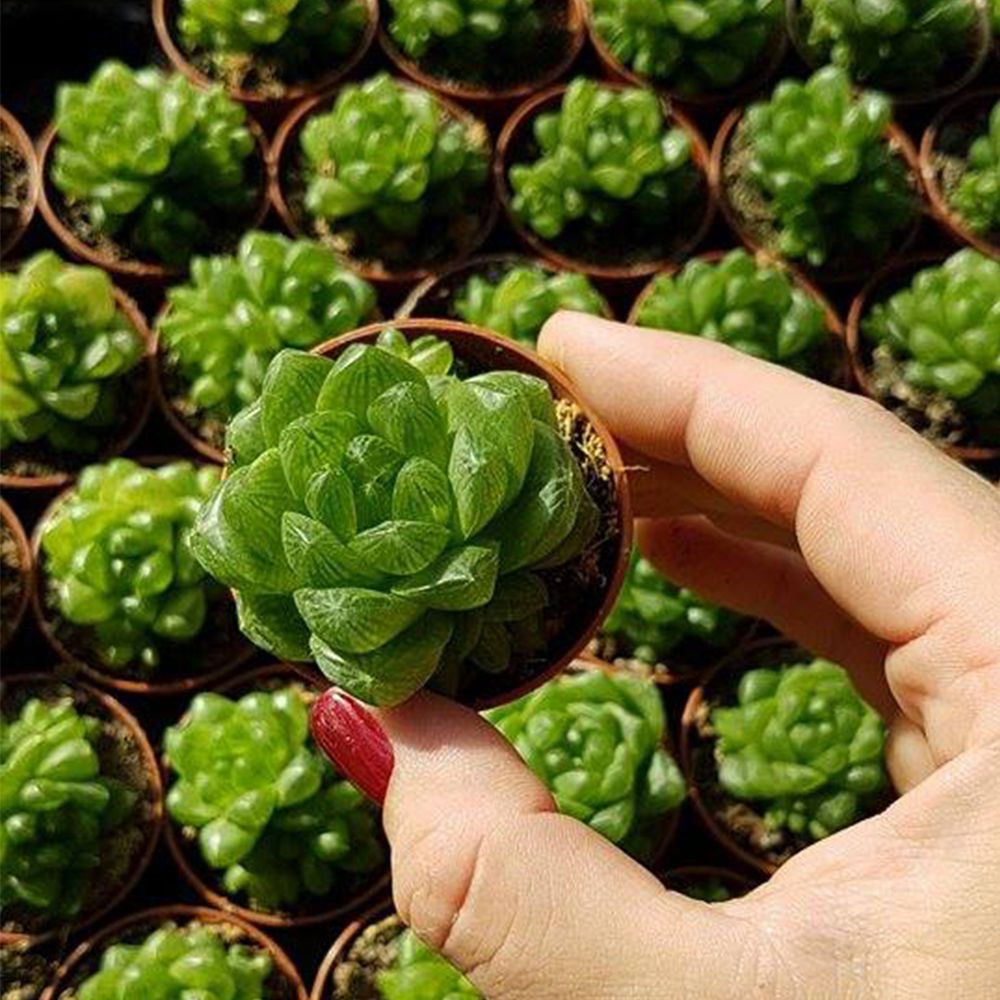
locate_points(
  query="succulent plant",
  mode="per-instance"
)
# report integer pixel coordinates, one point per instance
(193, 962)
(596, 740)
(471, 25)
(237, 312)
(755, 307)
(977, 195)
(518, 303)
(606, 157)
(832, 182)
(158, 164)
(710, 889)
(386, 518)
(417, 971)
(692, 47)
(802, 743)
(55, 807)
(119, 560)
(64, 349)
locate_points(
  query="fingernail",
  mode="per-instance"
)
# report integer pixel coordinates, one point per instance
(354, 740)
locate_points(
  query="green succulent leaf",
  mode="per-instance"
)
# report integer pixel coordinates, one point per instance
(417, 971)
(473, 27)
(976, 197)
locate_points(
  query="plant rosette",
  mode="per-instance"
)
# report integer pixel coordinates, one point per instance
(709, 883)
(175, 952)
(82, 806)
(420, 503)
(119, 594)
(18, 181)
(17, 578)
(390, 176)
(140, 201)
(259, 823)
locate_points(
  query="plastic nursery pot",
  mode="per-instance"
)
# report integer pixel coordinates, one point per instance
(184, 850)
(17, 578)
(284, 982)
(125, 753)
(20, 181)
(363, 948)
(618, 260)
(287, 195)
(690, 878)
(887, 281)
(943, 148)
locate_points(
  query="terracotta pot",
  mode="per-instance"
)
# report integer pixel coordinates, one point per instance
(85, 959)
(96, 702)
(341, 947)
(886, 281)
(285, 152)
(516, 133)
(12, 127)
(141, 399)
(25, 571)
(736, 883)
(969, 105)
(200, 877)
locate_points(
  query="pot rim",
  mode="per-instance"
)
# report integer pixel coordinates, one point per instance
(27, 212)
(342, 944)
(26, 568)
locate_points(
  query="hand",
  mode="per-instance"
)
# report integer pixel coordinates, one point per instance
(822, 513)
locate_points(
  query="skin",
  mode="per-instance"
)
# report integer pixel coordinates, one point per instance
(821, 512)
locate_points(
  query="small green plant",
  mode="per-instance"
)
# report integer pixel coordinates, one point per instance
(977, 196)
(119, 561)
(694, 48)
(596, 740)
(64, 350)
(709, 890)
(386, 518)
(158, 164)
(476, 26)
(802, 743)
(420, 972)
(756, 308)
(55, 807)
(180, 963)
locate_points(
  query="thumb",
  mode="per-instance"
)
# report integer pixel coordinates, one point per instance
(528, 902)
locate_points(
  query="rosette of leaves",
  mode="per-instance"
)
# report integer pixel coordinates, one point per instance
(119, 562)
(154, 163)
(180, 963)
(976, 197)
(64, 350)
(270, 813)
(802, 745)
(55, 807)
(756, 308)
(596, 740)
(694, 48)
(473, 26)
(418, 971)
(387, 519)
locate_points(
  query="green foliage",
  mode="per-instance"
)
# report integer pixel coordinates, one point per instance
(518, 304)
(605, 157)
(55, 807)
(180, 963)
(471, 25)
(385, 517)
(596, 740)
(756, 308)
(802, 742)
(820, 155)
(694, 47)
(158, 163)
(977, 196)
(64, 348)
(118, 555)
(420, 972)
(237, 312)
(269, 810)
(708, 890)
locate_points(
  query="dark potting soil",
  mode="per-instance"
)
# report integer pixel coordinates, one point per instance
(15, 181)
(685, 662)
(25, 974)
(12, 580)
(373, 950)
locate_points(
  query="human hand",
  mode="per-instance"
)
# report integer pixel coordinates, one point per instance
(822, 513)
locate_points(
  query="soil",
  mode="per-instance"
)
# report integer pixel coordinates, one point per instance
(12, 581)
(25, 974)
(15, 181)
(372, 951)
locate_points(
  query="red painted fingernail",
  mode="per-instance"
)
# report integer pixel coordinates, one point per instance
(354, 740)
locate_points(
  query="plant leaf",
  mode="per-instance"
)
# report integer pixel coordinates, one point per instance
(459, 580)
(359, 376)
(400, 548)
(318, 558)
(314, 442)
(272, 622)
(291, 385)
(354, 620)
(422, 493)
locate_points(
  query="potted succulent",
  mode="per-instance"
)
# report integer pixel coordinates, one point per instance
(820, 175)
(424, 503)
(217, 333)
(262, 824)
(603, 178)
(18, 181)
(180, 952)
(391, 176)
(74, 384)
(119, 591)
(81, 810)
(924, 340)
(142, 169)
(17, 578)
(709, 883)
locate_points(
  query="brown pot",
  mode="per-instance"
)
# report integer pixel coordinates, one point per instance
(887, 280)
(108, 708)
(25, 573)
(931, 168)
(339, 950)
(284, 152)
(678, 879)
(12, 127)
(516, 132)
(85, 959)
(199, 877)
(141, 398)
